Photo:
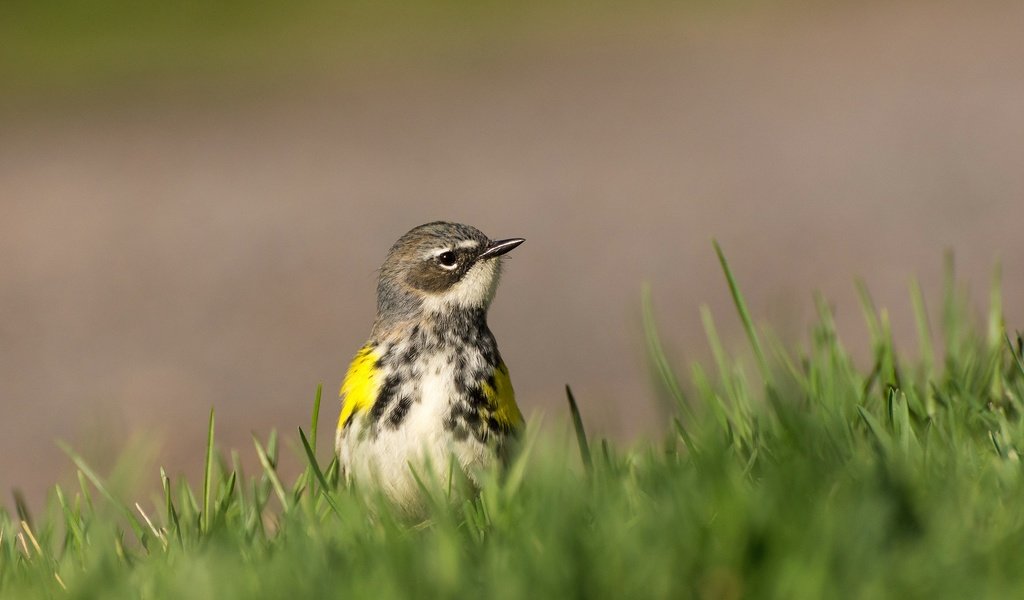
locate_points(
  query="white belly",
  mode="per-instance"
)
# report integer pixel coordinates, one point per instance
(421, 442)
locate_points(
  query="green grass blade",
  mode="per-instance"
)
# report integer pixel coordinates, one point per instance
(516, 474)
(996, 330)
(317, 472)
(227, 496)
(924, 331)
(741, 308)
(172, 513)
(71, 522)
(307, 480)
(656, 353)
(315, 419)
(870, 312)
(271, 472)
(684, 435)
(899, 413)
(581, 434)
(21, 507)
(880, 435)
(208, 475)
(1016, 353)
(953, 309)
(707, 320)
(83, 487)
(97, 483)
(996, 323)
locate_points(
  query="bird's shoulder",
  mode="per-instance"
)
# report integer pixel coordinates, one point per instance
(361, 384)
(501, 397)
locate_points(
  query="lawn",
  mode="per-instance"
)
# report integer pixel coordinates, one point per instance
(785, 473)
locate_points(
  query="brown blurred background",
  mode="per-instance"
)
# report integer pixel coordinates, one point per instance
(194, 200)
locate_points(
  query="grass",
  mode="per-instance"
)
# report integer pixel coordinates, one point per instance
(67, 51)
(804, 478)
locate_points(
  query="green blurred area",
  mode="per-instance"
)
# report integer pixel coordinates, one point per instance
(76, 44)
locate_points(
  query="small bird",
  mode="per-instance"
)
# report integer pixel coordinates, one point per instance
(429, 390)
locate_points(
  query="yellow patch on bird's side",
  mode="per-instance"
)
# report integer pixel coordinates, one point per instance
(359, 390)
(502, 399)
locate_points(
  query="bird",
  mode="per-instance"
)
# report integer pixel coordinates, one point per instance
(429, 390)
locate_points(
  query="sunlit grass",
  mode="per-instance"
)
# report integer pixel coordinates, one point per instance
(793, 474)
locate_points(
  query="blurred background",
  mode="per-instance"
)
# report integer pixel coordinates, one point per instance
(195, 196)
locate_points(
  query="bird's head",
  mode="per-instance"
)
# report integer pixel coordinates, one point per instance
(438, 268)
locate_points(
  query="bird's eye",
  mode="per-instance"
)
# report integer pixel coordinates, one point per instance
(448, 259)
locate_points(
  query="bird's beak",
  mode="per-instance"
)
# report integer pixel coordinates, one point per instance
(496, 248)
